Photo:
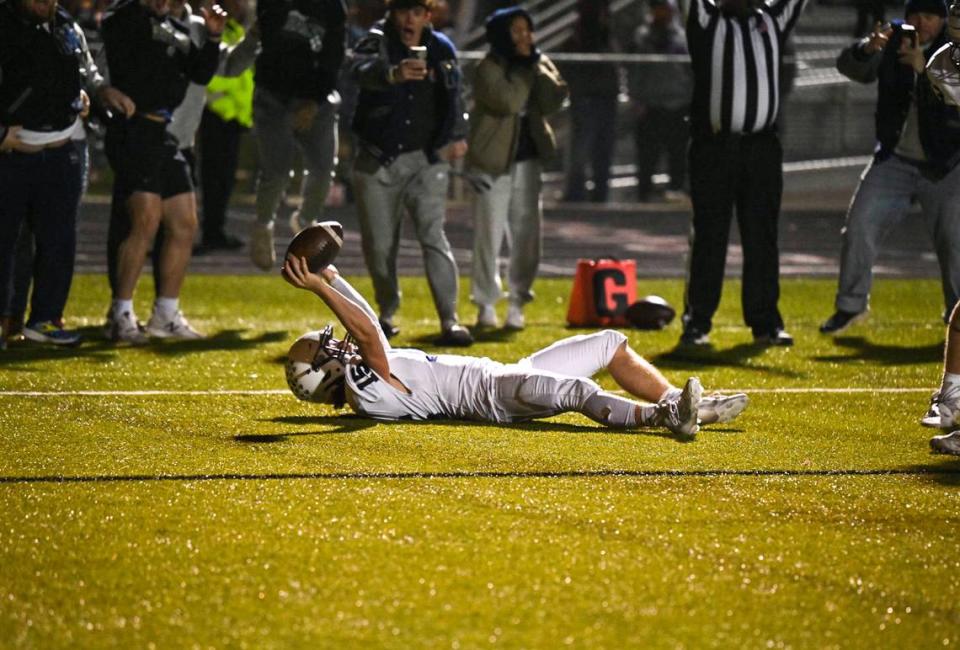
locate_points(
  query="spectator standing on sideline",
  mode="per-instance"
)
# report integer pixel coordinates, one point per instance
(183, 127)
(152, 59)
(14, 306)
(594, 92)
(918, 147)
(295, 106)
(410, 124)
(736, 48)
(228, 114)
(515, 88)
(41, 169)
(942, 79)
(660, 97)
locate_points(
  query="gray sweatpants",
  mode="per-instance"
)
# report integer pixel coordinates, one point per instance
(511, 208)
(408, 185)
(277, 143)
(883, 199)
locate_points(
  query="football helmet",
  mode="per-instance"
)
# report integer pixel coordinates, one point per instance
(316, 367)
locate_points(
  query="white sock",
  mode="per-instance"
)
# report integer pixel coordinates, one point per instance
(950, 388)
(120, 307)
(671, 394)
(166, 307)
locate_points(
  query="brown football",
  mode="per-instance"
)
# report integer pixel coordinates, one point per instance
(650, 313)
(319, 244)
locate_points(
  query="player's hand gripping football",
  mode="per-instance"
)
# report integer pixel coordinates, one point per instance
(297, 272)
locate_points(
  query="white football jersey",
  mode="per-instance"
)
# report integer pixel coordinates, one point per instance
(444, 386)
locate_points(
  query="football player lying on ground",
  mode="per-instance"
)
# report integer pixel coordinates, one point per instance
(388, 383)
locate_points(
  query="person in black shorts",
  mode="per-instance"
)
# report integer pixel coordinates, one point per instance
(152, 59)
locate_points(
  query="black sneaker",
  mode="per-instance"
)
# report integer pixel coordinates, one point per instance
(778, 337)
(840, 321)
(693, 336)
(389, 329)
(456, 336)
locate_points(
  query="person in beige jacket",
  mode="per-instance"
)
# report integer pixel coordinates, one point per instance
(515, 88)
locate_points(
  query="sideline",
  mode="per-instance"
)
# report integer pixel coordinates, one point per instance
(374, 476)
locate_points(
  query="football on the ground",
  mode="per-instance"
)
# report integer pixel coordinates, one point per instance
(319, 244)
(650, 313)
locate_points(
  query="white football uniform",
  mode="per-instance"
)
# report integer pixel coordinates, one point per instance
(449, 386)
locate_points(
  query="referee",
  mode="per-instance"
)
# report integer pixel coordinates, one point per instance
(736, 48)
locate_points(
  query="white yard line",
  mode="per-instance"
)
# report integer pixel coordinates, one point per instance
(284, 391)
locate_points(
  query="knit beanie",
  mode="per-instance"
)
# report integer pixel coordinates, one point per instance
(937, 7)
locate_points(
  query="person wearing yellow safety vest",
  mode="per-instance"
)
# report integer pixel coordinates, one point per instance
(227, 116)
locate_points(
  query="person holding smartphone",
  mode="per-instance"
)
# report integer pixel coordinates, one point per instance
(410, 124)
(916, 156)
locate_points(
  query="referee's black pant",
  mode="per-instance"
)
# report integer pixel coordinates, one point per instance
(742, 171)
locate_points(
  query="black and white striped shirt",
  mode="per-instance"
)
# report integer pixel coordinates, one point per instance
(736, 64)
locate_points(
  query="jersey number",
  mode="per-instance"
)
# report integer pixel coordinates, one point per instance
(362, 376)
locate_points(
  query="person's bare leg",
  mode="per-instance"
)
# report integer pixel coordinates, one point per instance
(637, 376)
(145, 210)
(180, 226)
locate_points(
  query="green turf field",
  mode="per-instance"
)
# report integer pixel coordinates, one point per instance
(165, 497)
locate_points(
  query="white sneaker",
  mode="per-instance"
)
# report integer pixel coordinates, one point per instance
(487, 317)
(680, 415)
(262, 252)
(515, 319)
(124, 328)
(721, 408)
(948, 443)
(932, 417)
(949, 415)
(175, 327)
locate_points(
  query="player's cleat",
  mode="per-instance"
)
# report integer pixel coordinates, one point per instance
(948, 443)
(124, 329)
(48, 332)
(172, 327)
(719, 408)
(456, 336)
(262, 252)
(515, 319)
(487, 317)
(680, 415)
(932, 417)
(840, 321)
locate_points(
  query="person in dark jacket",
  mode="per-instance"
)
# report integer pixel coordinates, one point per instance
(410, 124)
(918, 147)
(594, 92)
(152, 59)
(295, 106)
(43, 66)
